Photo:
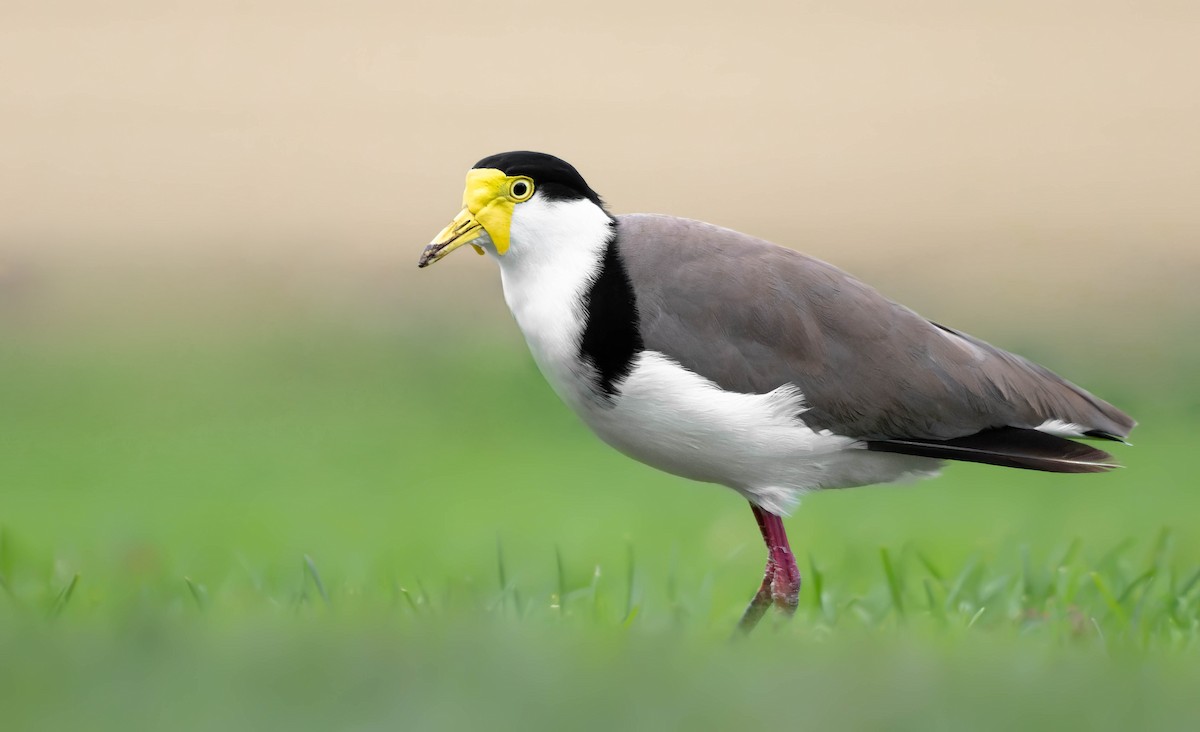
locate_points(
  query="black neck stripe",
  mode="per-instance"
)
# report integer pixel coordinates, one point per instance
(611, 337)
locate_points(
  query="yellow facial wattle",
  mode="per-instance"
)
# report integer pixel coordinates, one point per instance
(488, 201)
(484, 198)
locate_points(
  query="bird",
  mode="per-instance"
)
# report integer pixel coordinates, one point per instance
(723, 358)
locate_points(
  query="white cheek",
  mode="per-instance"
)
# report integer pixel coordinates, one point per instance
(542, 228)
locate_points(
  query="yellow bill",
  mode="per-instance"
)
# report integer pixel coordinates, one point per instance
(464, 229)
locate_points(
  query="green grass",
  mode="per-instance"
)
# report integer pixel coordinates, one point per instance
(294, 524)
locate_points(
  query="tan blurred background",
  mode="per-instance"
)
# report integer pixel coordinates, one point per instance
(1043, 156)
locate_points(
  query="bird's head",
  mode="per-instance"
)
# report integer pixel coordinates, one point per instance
(510, 195)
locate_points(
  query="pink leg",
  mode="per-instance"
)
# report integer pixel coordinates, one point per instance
(781, 579)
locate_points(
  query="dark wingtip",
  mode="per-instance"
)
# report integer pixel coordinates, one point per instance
(1102, 435)
(1009, 447)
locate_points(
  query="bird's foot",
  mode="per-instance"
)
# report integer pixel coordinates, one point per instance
(780, 587)
(762, 600)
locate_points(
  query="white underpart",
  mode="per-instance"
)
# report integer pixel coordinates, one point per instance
(1061, 428)
(678, 421)
(664, 414)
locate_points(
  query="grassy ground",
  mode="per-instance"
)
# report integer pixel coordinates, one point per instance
(334, 528)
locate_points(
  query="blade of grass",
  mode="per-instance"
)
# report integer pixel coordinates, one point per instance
(426, 598)
(311, 568)
(199, 594)
(562, 580)
(595, 586)
(931, 568)
(1030, 583)
(630, 606)
(6, 556)
(1162, 546)
(974, 618)
(1100, 632)
(935, 608)
(967, 573)
(676, 606)
(64, 596)
(507, 589)
(633, 613)
(412, 603)
(893, 581)
(503, 575)
(817, 582)
(1066, 555)
(856, 606)
(1110, 600)
(1187, 586)
(673, 577)
(1146, 576)
(993, 588)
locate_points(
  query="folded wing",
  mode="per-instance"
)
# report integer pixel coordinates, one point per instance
(752, 316)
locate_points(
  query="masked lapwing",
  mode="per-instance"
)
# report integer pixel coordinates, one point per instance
(727, 359)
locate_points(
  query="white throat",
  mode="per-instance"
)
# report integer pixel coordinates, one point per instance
(555, 253)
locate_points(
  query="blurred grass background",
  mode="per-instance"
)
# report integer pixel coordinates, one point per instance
(256, 471)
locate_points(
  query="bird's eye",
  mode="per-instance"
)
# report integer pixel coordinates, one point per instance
(521, 189)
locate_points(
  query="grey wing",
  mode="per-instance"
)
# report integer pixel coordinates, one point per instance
(752, 316)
